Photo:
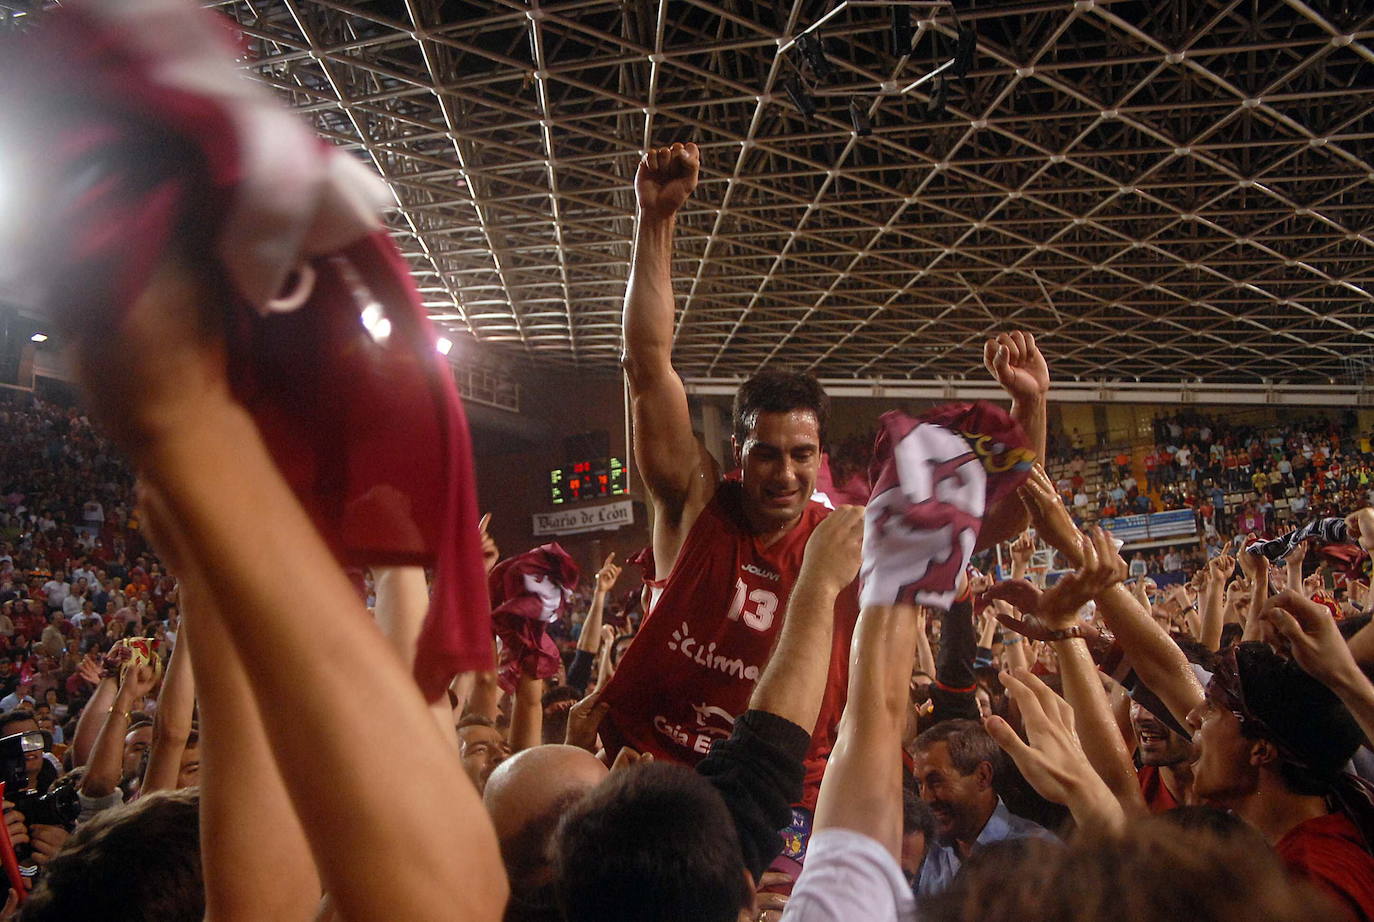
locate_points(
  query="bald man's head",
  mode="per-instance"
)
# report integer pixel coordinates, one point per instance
(526, 796)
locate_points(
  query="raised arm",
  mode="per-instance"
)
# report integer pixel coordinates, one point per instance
(1053, 761)
(1158, 661)
(176, 705)
(794, 682)
(107, 755)
(1015, 361)
(277, 883)
(589, 639)
(862, 790)
(925, 656)
(1256, 568)
(1214, 578)
(1097, 729)
(429, 846)
(665, 447)
(402, 603)
(92, 719)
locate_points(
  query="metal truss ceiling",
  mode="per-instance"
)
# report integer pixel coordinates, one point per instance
(1168, 190)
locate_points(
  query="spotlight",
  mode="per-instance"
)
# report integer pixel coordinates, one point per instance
(901, 30)
(964, 51)
(444, 345)
(800, 98)
(936, 110)
(858, 116)
(811, 49)
(39, 338)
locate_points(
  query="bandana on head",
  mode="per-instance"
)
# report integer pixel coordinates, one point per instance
(528, 593)
(933, 479)
(152, 143)
(1275, 700)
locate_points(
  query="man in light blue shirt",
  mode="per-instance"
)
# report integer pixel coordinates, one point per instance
(955, 767)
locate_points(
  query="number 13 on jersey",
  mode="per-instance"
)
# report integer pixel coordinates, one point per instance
(757, 606)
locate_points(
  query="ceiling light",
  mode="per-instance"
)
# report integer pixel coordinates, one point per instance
(444, 345)
(858, 116)
(39, 337)
(800, 98)
(811, 49)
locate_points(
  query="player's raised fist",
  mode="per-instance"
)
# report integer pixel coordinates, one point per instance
(666, 177)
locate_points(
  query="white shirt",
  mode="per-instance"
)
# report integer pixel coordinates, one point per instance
(849, 877)
(13, 700)
(56, 592)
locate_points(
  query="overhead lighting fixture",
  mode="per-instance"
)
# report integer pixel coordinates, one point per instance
(936, 109)
(964, 51)
(444, 345)
(810, 45)
(39, 338)
(800, 98)
(858, 117)
(377, 326)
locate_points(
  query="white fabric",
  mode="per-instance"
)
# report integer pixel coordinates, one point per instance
(897, 555)
(297, 197)
(849, 877)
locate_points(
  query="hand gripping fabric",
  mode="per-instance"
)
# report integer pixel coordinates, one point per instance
(528, 593)
(933, 480)
(146, 142)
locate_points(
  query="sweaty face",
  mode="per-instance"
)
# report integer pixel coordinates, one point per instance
(1157, 743)
(1222, 773)
(958, 801)
(780, 458)
(481, 749)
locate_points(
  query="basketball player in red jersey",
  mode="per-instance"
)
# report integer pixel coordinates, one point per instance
(728, 551)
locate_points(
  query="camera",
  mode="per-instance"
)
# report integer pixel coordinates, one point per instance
(58, 807)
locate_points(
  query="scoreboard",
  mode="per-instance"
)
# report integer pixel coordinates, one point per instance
(584, 480)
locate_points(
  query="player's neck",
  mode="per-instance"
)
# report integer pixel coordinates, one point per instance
(769, 532)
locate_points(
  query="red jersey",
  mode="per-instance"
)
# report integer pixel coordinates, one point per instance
(699, 653)
(1156, 793)
(1327, 851)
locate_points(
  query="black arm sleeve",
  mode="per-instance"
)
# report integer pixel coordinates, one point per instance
(758, 772)
(580, 672)
(952, 693)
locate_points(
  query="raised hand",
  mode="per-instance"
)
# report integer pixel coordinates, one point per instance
(490, 552)
(1017, 364)
(666, 178)
(1360, 523)
(1253, 565)
(629, 758)
(1219, 567)
(607, 575)
(1296, 555)
(1313, 638)
(1047, 513)
(584, 718)
(89, 669)
(835, 549)
(1022, 550)
(1056, 609)
(1053, 761)
(136, 681)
